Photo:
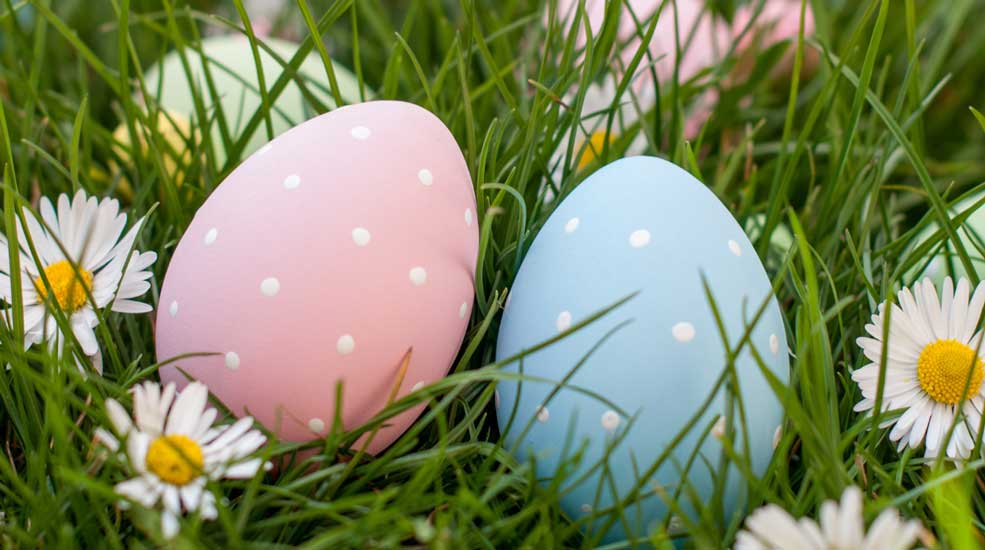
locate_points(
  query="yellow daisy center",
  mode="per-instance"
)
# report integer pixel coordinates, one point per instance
(68, 287)
(942, 369)
(596, 142)
(176, 459)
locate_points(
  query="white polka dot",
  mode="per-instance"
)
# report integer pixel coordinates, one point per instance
(232, 360)
(496, 398)
(610, 421)
(265, 148)
(639, 238)
(210, 236)
(418, 275)
(361, 236)
(417, 386)
(572, 225)
(173, 310)
(563, 321)
(468, 217)
(270, 286)
(345, 345)
(586, 508)
(463, 310)
(718, 430)
(774, 344)
(735, 248)
(777, 435)
(543, 415)
(292, 182)
(316, 425)
(360, 132)
(683, 331)
(425, 176)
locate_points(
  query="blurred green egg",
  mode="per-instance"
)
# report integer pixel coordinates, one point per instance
(946, 262)
(232, 70)
(781, 240)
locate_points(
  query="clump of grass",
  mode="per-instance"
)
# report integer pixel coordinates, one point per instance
(857, 158)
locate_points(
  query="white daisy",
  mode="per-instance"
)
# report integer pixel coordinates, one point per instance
(174, 450)
(95, 261)
(590, 137)
(932, 356)
(841, 528)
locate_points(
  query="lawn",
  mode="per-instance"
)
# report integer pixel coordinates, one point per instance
(848, 141)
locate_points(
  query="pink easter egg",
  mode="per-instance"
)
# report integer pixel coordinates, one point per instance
(704, 39)
(322, 259)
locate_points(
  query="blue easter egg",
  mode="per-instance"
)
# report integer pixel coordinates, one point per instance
(636, 376)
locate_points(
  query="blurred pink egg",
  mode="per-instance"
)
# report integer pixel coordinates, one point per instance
(322, 259)
(691, 16)
(704, 40)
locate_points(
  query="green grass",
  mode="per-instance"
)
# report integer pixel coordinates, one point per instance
(857, 157)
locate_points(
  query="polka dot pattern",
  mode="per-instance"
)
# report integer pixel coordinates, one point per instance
(572, 225)
(563, 321)
(774, 344)
(656, 235)
(683, 332)
(718, 430)
(418, 275)
(417, 387)
(316, 425)
(338, 261)
(173, 309)
(292, 182)
(639, 238)
(361, 236)
(346, 344)
(543, 415)
(610, 421)
(270, 287)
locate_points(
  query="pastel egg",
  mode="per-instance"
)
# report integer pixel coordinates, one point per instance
(233, 73)
(781, 239)
(703, 40)
(637, 374)
(322, 260)
(947, 262)
(177, 132)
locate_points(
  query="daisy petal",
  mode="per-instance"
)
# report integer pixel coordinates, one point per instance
(188, 408)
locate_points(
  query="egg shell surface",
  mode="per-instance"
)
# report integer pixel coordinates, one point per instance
(232, 68)
(322, 259)
(704, 40)
(947, 262)
(643, 225)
